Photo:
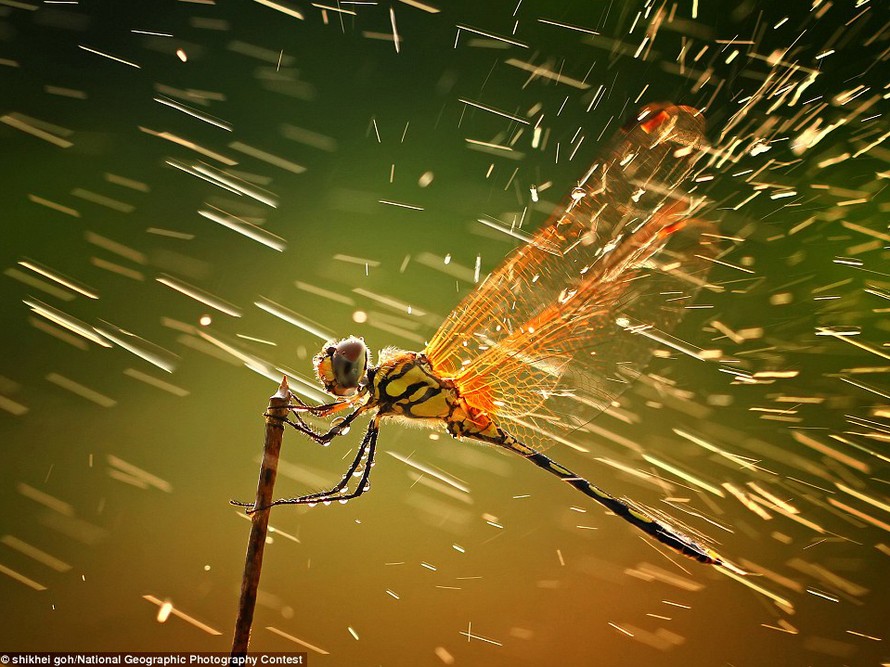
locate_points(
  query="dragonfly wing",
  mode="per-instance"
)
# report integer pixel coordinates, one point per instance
(568, 320)
(619, 345)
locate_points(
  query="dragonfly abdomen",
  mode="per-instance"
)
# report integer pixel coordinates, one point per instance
(660, 531)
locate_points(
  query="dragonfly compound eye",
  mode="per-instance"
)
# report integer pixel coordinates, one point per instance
(341, 366)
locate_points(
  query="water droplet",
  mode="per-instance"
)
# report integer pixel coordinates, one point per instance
(339, 427)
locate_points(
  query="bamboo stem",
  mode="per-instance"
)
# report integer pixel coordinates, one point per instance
(253, 563)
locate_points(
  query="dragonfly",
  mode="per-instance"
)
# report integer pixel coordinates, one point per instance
(553, 335)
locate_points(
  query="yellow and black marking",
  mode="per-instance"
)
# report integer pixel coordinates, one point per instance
(407, 386)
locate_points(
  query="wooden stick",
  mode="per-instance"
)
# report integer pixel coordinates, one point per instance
(253, 563)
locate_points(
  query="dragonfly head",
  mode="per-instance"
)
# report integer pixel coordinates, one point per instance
(341, 365)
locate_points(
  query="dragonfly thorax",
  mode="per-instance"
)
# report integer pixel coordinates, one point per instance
(406, 385)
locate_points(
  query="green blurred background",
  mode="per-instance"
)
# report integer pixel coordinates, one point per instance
(131, 498)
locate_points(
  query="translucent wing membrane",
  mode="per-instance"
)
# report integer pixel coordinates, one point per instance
(557, 332)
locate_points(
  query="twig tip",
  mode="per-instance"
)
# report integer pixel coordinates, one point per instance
(282, 388)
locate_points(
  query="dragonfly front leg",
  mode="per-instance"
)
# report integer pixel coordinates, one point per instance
(324, 439)
(321, 410)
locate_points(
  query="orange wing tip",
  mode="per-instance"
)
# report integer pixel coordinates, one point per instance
(654, 122)
(671, 228)
(654, 115)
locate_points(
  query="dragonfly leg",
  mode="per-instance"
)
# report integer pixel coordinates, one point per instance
(365, 453)
(323, 438)
(321, 410)
(660, 531)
